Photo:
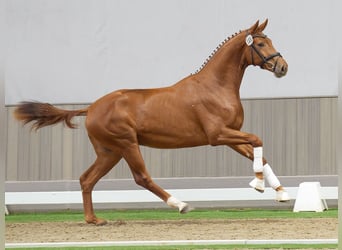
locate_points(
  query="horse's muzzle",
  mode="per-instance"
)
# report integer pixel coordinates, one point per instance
(280, 68)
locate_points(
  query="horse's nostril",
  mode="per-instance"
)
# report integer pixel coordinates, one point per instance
(283, 69)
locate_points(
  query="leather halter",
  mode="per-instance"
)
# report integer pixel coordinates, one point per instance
(263, 58)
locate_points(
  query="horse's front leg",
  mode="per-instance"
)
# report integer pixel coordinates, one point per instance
(250, 146)
(249, 152)
(232, 137)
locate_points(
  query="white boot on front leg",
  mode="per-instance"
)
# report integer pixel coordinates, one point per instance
(281, 195)
(175, 203)
(256, 183)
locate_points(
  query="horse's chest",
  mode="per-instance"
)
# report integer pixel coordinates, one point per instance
(214, 118)
(232, 117)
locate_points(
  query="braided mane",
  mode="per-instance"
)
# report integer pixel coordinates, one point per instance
(215, 51)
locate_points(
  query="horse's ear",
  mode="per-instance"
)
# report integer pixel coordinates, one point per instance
(254, 27)
(262, 26)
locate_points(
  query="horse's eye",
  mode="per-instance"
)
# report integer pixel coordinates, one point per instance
(261, 44)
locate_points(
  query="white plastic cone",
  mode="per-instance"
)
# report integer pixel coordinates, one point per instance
(309, 198)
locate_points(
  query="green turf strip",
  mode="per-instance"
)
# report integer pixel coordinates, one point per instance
(169, 215)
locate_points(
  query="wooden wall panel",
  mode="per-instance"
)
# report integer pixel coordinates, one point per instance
(298, 135)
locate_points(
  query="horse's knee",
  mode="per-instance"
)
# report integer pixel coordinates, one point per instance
(255, 141)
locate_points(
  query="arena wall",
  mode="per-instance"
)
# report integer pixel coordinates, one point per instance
(298, 134)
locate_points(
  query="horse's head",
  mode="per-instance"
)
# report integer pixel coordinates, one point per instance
(260, 51)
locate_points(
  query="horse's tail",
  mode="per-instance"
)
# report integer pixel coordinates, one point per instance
(45, 114)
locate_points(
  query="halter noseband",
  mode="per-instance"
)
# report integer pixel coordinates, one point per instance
(250, 43)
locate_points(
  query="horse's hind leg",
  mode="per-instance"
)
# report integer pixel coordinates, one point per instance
(103, 164)
(136, 163)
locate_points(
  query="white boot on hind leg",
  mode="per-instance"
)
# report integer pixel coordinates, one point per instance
(281, 195)
(175, 203)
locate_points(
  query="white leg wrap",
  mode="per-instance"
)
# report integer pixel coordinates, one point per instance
(258, 184)
(257, 162)
(271, 177)
(175, 203)
(282, 196)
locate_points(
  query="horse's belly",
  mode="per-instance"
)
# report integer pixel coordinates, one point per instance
(164, 140)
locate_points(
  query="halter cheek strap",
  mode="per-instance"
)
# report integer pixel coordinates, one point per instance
(250, 43)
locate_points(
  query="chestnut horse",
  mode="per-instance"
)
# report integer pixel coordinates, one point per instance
(203, 108)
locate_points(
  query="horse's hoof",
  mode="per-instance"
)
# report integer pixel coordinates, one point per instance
(282, 196)
(101, 222)
(258, 184)
(97, 222)
(184, 209)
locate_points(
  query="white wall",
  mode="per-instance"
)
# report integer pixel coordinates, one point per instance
(3, 121)
(74, 51)
(338, 19)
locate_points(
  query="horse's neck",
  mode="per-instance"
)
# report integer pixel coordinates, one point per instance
(226, 67)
